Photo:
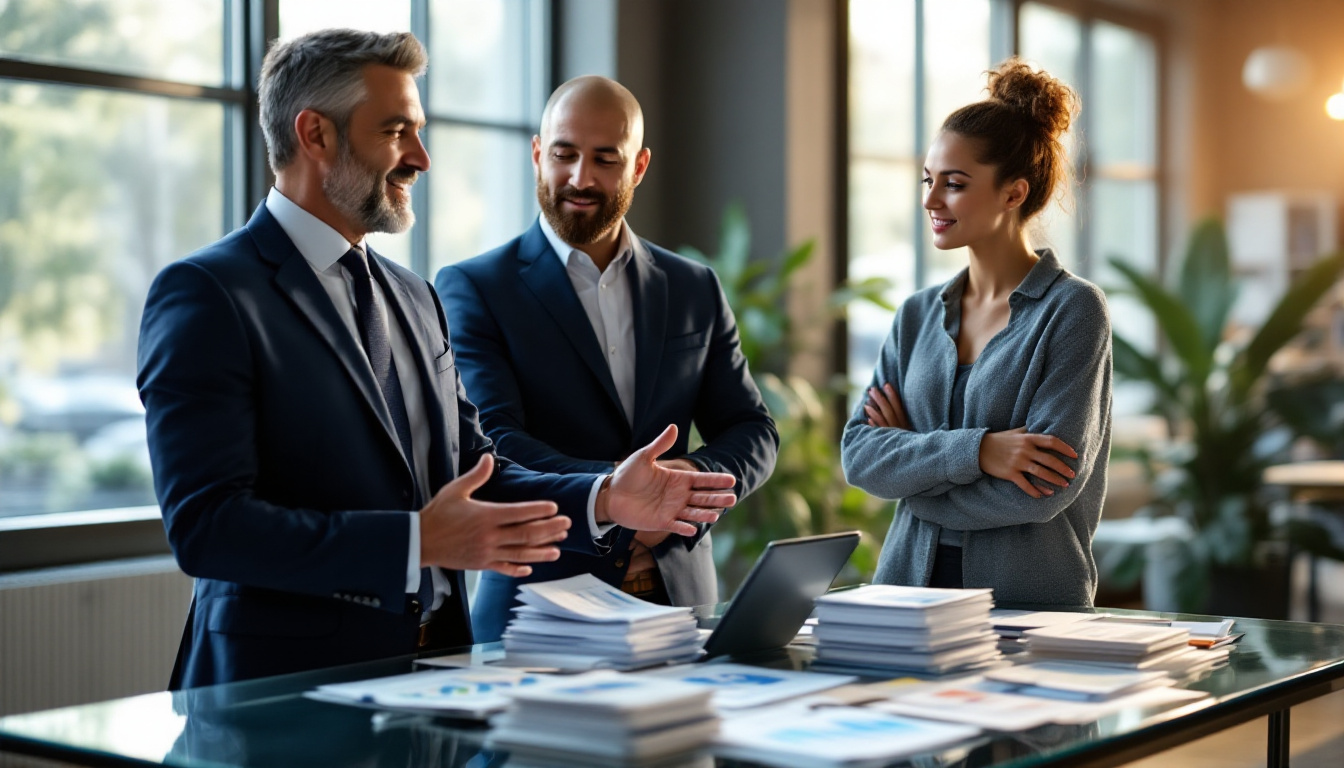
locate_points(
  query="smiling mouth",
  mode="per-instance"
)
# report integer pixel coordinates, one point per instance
(941, 223)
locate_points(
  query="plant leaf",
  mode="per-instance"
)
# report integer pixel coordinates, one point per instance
(1175, 322)
(734, 242)
(1205, 285)
(1285, 321)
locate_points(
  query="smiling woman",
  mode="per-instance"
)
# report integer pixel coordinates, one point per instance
(988, 415)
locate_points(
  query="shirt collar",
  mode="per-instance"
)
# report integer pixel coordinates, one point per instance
(625, 247)
(1034, 285)
(320, 245)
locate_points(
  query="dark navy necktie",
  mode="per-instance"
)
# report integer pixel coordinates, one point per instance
(378, 346)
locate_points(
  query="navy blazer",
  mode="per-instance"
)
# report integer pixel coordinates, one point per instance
(532, 363)
(283, 486)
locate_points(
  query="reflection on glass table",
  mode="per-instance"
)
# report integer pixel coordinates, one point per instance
(270, 722)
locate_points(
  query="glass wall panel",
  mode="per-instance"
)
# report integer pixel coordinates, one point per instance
(299, 17)
(482, 188)
(1052, 39)
(956, 45)
(98, 191)
(180, 40)
(487, 60)
(884, 185)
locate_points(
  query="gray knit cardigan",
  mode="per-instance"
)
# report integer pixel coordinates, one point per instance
(1048, 370)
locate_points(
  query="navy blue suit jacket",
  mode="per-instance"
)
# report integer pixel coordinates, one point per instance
(283, 486)
(532, 363)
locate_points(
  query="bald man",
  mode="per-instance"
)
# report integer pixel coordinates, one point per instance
(578, 341)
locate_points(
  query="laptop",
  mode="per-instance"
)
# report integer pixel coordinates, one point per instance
(776, 597)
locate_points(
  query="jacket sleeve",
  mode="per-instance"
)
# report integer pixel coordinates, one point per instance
(491, 381)
(1070, 402)
(899, 463)
(197, 383)
(511, 482)
(740, 437)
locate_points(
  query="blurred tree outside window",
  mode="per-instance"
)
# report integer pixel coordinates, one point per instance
(106, 177)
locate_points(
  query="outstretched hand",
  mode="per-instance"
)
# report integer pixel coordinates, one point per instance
(1016, 455)
(461, 533)
(646, 496)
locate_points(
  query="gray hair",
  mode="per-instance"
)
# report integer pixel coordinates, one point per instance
(323, 71)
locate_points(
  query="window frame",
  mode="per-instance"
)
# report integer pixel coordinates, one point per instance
(1004, 40)
(57, 539)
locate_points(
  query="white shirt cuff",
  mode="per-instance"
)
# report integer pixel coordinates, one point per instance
(413, 557)
(597, 531)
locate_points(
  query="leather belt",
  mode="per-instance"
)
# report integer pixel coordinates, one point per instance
(423, 639)
(642, 583)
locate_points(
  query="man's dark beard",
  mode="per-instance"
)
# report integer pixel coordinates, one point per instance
(580, 228)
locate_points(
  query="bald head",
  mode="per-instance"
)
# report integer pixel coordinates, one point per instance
(589, 156)
(599, 98)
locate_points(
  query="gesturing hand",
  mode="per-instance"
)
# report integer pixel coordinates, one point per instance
(1017, 453)
(459, 532)
(645, 496)
(885, 409)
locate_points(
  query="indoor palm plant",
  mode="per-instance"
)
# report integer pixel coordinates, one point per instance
(807, 492)
(1209, 383)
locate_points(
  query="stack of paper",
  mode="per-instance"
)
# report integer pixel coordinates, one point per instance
(832, 736)
(1073, 681)
(1209, 634)
(1012, 623)
(605, 718)
(584, 616)
(739, 686)
(472, 693)
(1141, 647)
(883, 628)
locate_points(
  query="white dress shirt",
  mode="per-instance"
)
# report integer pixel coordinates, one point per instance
(605, 296)
(322, 247)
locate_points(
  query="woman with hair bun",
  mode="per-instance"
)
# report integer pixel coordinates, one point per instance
(989, 412)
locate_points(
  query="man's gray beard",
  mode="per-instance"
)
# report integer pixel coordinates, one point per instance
(358, 193)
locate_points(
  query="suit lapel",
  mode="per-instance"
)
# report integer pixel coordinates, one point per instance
(648, 291)
(545, 276)
(295, 279)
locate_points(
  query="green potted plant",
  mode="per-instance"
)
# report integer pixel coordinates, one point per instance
(807, 493)
(1211, 390)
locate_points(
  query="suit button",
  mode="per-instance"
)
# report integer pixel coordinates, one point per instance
(375, 602)
(620, 563)
(414, 606)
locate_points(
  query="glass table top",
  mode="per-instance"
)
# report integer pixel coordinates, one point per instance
(268, 722)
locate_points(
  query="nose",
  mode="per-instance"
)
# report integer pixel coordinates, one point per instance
(931, 199)
(417, 156)
(581, 174)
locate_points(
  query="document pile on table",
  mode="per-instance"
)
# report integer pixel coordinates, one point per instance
(605, 718)
(882, 628)
(587, 619)
(1123, 645)
(832, 736)
(473, 693)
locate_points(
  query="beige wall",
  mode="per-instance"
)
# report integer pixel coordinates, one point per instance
(1237, 140)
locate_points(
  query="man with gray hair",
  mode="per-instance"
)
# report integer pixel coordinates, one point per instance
(321, 472)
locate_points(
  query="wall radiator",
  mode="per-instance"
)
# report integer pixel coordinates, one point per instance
(88, 633)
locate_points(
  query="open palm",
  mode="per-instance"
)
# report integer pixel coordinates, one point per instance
(645, 496)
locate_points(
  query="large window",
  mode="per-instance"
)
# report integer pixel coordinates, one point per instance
(912, 62)
(124, 144)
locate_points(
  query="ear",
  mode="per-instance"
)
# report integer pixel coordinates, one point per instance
(1015, 194)
(642, 164)
(536, 152)
(316, 135)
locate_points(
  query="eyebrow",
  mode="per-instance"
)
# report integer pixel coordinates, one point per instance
(951, 171)
(563, 144)
(399, 120)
